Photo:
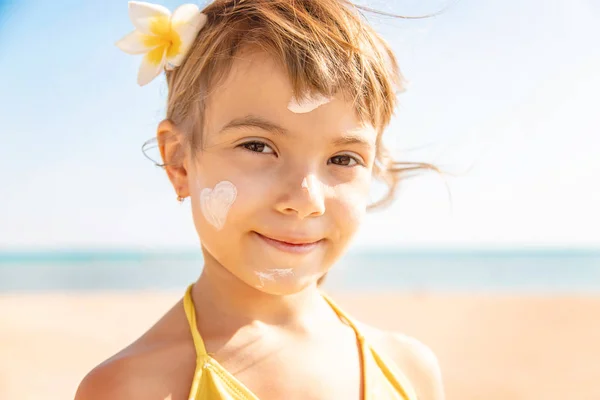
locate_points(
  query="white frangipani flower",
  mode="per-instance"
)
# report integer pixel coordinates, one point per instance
(163, 37)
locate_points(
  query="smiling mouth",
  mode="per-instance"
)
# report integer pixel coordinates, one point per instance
(291, 245)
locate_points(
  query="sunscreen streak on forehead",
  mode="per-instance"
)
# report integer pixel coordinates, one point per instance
(215, 203)
(271, 274)
(304, 106)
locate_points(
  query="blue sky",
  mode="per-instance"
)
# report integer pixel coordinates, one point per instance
(509, 88)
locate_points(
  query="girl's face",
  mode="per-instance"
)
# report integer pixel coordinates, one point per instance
(277, 195)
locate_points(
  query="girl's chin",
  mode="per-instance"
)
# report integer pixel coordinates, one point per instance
(283, 281)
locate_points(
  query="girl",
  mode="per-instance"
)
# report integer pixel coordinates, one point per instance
(274, 120)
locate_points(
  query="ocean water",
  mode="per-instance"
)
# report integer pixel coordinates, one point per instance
(510, 271)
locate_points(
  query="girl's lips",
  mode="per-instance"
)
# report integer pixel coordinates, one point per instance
(296, 248)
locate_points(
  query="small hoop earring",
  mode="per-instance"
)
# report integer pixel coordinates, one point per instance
(180, 199)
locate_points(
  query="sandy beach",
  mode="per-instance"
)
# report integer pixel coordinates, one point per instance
(489, 346)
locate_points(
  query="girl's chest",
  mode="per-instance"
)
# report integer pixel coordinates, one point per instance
(267, 373)
(284, 375)
(292, 374)
(269, 370)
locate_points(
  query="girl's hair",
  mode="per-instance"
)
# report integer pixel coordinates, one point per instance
(325, 46)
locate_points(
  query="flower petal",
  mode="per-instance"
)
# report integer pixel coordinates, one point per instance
(133, 43)
(185, 13)
(187, 21)
(143, 14)
(149, 69)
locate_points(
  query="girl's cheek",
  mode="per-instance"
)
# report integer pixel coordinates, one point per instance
(357, 211)
(263, 186)
(353, 203)
(253, 195)
(216, 202)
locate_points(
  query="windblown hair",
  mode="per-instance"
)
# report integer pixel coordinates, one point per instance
(325, 46)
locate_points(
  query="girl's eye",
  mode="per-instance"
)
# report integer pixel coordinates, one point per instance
(258, 147)
(344, 160)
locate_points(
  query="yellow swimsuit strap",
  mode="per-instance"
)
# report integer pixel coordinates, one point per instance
(344, 317)
(395, 376)
(190, 313)
(188, 306)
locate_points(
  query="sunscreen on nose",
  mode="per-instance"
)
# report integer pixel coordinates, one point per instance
(305, 185)
(310, 186)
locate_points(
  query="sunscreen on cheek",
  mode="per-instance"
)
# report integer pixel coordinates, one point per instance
(215, 203)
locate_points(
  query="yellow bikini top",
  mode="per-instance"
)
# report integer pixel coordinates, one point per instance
(382, 379)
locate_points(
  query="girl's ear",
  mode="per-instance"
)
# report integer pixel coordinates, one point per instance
(171, 146)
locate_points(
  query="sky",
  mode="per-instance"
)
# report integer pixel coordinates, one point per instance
(503, 95)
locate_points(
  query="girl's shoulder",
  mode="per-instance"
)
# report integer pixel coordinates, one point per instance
(414, 358)
(161, 361)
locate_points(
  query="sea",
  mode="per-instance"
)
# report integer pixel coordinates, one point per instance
(526, 271)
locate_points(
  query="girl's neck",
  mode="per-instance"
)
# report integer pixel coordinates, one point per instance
(224, 303)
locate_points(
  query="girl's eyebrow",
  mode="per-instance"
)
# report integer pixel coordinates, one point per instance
(255, 121)
(352, 138)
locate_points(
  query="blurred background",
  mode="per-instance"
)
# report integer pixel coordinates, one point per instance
(496, 267)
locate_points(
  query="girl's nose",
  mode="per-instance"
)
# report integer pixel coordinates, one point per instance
(304, 197)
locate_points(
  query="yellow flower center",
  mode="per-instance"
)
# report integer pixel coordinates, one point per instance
(163, 38)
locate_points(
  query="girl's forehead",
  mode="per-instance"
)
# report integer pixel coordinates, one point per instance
(257, 86)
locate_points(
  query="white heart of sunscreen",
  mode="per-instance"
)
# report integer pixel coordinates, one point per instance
(215, 203)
